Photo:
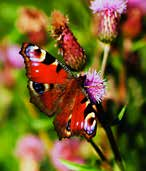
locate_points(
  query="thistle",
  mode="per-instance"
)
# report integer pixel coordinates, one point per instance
(70, 49)
(109, 12)
(95, 86)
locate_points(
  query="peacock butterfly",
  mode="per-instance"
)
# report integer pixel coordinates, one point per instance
(55, 90)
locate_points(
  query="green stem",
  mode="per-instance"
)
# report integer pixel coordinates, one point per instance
(105, 57)
(109, 133)
(98, 150)
(114, 147)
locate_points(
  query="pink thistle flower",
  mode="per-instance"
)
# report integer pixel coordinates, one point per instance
(133, 20)
(14, 57)
(69, 47)
(33, 22)
(134, 17)
(114, 5)
(95, 86)
(139, 4)
(109, 12)
(67, 149)
(9, 54)
(30, 146)
(11, 59)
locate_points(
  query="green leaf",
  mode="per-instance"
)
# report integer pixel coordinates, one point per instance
(121, 114)
(78, 167)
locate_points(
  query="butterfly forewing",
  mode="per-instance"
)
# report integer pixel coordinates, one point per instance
(43, 67)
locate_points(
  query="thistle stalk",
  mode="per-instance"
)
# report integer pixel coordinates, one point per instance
(110, 136)
(98, 151)
(105, 57)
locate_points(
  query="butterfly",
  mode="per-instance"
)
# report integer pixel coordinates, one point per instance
(55, 90)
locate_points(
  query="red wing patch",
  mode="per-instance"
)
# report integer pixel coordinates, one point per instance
(42, 73)
(42, 68)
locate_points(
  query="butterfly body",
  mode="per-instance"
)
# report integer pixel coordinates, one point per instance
(54, 90)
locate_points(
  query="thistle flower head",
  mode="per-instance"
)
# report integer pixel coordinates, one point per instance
(69, 47)
(30, 146)
(9, 55)
(95, 86)
(37, 18)
(68, 149)
(33, 23)
(109, 12)
(115, 5)
(139, 4)
(58, 20)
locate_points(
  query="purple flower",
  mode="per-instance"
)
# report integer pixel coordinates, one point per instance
(115, 5)
(68, 149)
(14, 57)
(95, 86)
(30, 146)
(140, 4)
(109, 12)
(9, 54)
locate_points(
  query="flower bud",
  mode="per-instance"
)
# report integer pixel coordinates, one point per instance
(70, 49)
(108, 24)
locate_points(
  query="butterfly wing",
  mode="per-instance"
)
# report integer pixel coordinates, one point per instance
(54, 90)
(41, 66)
(47, 79)
(78, 116)
(46, 96)
(84, 119)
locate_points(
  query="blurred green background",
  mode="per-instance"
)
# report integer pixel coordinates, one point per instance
(125, 74)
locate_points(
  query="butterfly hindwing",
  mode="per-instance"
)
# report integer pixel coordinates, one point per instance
(83, 121)
(46, 96)
(77, 116)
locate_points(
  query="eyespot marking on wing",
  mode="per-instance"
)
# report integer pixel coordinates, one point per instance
(38, 88)
(90, 123)
(35, 53)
